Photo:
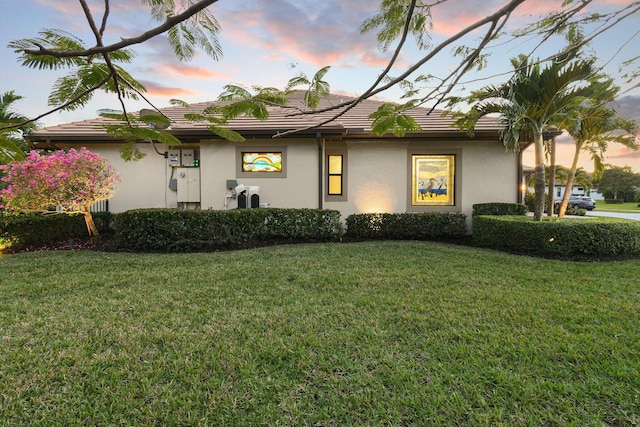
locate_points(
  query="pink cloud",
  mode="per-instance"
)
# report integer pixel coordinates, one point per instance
(73, 9)
(622, 156)
(319, 37)
(373, 59)
(64, 7)
(449, 17)
(616, 155)
(192, 72)
(154, 89)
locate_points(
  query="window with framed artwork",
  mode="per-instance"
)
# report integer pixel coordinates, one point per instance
(433, 179)
(261, 162)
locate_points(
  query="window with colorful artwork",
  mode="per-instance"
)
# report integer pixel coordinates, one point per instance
(432, 180)
(262, 162)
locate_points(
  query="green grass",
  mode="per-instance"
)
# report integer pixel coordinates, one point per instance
(376, 333)
(630, 207)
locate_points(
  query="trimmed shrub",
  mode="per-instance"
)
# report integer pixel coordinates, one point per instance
(570, 210)
(499, 209)
(530, 201)
(20, 232)
(173, 230)
(406, 226)
(559, 238)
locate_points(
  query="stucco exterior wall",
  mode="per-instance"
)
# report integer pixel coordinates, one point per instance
(378, 175)
(376, 178)
(299, 189)
(489, 175)
(143, 183)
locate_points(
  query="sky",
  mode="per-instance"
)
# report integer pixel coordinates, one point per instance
(267, 42)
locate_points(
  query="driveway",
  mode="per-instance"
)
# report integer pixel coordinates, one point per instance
(614, 214)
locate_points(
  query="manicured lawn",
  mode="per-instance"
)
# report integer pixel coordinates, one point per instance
(376, 333)
(630, 207)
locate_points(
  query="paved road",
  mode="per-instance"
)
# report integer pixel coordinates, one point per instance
(614, 214)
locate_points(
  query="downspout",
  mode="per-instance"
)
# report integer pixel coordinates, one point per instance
(320, 170)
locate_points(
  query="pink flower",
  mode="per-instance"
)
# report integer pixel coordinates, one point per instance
(80, 177)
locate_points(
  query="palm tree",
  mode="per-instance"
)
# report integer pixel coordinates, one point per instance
(591, 132)
(584, 179)
(532, 101)
(12, 127)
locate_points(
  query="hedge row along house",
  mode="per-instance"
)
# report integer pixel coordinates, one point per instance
(340, 165)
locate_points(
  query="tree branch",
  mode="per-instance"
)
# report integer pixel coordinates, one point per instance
(97, 50)
(373, 90)
(103, 26)
(60, 107)
(350, 105)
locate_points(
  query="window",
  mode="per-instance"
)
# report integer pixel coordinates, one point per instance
(432, 180)
(334, 185)
(260, 162)
(336, 172)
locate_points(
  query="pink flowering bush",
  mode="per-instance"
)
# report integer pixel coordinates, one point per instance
(70, 181)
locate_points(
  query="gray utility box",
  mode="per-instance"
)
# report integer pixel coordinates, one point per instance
(188, 185)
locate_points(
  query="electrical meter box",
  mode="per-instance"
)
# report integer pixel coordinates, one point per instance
(187, 158)
(174, 157)
(188, 185)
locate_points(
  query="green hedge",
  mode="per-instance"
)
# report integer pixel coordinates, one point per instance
(499, 209)
(559, 238)
(406, 226)
(20, 232)
(173, 230)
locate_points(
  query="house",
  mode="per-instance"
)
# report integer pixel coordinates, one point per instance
(559, 187)
(576, 190)
(339, 165)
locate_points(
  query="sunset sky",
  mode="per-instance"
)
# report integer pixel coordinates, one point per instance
(266, 43)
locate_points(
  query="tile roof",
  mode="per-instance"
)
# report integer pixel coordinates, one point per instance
(353, 122)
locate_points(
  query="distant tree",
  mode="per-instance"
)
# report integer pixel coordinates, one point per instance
(583, 179)
(67, 181)
(12, 127)
(621, 183)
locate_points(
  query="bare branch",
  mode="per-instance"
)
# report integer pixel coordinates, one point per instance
(114, 72)
(350, 105)
(103, 26)
(374, 89)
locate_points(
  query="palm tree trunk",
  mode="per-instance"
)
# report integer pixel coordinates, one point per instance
(538, 204)
(570, 179)
(552, 176)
